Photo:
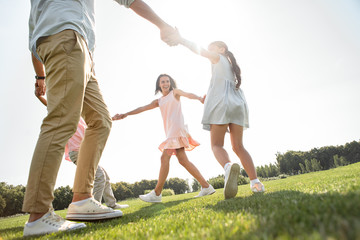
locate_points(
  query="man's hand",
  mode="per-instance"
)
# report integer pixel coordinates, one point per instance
(119, 117)
(40, 87)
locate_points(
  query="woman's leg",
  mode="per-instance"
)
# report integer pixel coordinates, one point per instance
(217, 134)
(236, 136)
(190, 167)
(164, 171)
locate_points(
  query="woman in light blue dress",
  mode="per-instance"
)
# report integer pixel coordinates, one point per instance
(225, 109)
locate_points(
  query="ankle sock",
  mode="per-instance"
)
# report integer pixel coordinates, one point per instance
(81, 202)
(227, 165)
(252, 182)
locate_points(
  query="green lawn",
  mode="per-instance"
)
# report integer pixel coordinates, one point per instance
(320, 205)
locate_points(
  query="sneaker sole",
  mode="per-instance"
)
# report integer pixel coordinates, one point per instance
(205, 194)
(27, 234)
(149, 201)
(93, 216)
(231, 187)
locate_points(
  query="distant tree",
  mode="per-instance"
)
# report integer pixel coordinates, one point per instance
(122, 190)
(315, 165)
(2, 205)
(308, 166)
(195, 185)
(303, 169)
(62, 197)
(337, 162)
(13, 197)
(243, 172)
(140, 187)
(178, 185)
(343, 161)
(352, 152)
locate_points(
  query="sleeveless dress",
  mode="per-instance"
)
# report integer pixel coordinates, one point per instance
(224, 104)
(177, 135)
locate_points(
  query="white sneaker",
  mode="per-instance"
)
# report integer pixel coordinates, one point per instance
(118, 206)
(206, 191)
(151, 197)
(50, 223)
(91, 210)
(257, 188)
(231, 178)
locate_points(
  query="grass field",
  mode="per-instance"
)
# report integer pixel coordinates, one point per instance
(319, 205)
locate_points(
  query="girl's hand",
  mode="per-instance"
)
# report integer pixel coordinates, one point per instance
(202, 100)
(119, 117)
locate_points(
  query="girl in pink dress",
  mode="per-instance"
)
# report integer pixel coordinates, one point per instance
(178, 139)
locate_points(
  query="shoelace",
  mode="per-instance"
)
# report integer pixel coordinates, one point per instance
(53, 219)
(99, 204)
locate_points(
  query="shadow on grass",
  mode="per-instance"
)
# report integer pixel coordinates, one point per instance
(293, 214)
(150, 211)
(13, 230)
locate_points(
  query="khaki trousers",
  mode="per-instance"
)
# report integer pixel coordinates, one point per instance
(102, 186)
(72, 90)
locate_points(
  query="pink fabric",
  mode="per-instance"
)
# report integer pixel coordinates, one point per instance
(177, 135)
(73, 145)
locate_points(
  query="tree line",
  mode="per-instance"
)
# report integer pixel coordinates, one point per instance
(317, 159)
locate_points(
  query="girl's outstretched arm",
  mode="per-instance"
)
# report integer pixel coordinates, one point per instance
(179, 93)
(138, 110)
(212, 56)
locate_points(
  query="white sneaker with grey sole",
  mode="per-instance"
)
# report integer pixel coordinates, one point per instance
(119, 206)
(206, 191)
(151, 197)
(91, 210)
(231, 178)
(50, 223)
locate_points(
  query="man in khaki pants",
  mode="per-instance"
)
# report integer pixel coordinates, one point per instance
(62, 40)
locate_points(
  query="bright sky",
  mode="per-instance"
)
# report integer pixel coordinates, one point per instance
(300, 69)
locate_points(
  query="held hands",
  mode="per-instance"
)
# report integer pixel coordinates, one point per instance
(170, 35)
(119, 116)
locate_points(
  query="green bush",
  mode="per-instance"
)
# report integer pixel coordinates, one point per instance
(243, 180)
(217, 182)
(167, 192)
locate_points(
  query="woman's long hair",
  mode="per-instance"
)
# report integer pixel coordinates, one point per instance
(172, 83)
(232, 60)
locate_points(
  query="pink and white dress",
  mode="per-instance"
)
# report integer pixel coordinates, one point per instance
(73, 145)
(177, 135)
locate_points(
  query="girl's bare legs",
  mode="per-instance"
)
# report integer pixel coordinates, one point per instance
(190, 167)
(164, 171)
(236, 136)
(217, 135)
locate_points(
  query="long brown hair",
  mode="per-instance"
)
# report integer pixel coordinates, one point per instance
(172, 83)
(230, 56)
